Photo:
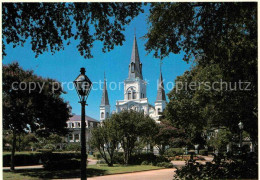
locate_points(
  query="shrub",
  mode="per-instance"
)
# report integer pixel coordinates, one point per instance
(165, 164)
(101, 162)
(119, 158)
(171, 152)
(73, 147)
(145, 163)
(44, 150)
(231, 167)
(22, 159)
(203, 152)
(64, 164)
(49, 146)
(37, 158)
(139, 158)
(97, 155)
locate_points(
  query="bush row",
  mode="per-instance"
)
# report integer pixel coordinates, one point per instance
(37, 158)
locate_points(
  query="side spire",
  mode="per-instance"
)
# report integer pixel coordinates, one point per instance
(135, 67)
(160, 91)
(104, 100)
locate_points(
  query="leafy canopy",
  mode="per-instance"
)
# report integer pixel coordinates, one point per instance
(48, 26)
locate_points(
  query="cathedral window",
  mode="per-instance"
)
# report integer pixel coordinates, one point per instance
(129, 95)
(102, 115)
(134, 95)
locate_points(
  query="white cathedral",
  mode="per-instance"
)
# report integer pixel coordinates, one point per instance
(135, 92)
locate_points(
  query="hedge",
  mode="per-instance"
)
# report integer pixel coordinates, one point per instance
(37, 158)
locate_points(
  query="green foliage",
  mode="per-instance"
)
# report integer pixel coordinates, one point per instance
(44, 150)
(63, 164)
(171, 152)
(203, 152)
(138, 159)
(73, 147)
(130, 126)
(105, 139)
(22, 159)
(231, 167)
(124, 128)
(165, 164)
(145, 163)
(32, 106)
(97, 155)
(221, 139)
(50, 31)
(38, 158)
(49, 146)
(221, 39)
(166, 135)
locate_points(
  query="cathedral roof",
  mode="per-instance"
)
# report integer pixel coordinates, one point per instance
(160, 91)
(104, 100)
(135, 67)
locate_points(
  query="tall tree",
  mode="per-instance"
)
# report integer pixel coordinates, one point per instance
(131, 126)
(48, 26)
(221, 39)
(105, 138)
(31, 103)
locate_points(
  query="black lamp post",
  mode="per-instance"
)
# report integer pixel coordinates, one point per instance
(83, 86)
(241, 126)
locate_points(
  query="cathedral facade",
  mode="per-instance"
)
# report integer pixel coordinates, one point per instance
(135, 96)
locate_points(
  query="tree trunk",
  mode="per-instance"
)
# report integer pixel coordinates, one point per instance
(13, 150)
(19, 145)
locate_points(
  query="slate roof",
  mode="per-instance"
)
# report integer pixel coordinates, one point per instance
(135, 60)
(104, 100)
(78, 118)
(160, 92)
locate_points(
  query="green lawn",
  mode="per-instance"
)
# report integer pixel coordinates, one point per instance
(22, 152)
(92, 170)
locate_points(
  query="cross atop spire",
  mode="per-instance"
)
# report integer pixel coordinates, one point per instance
(135, 67)
(104, 100)
(160, 91)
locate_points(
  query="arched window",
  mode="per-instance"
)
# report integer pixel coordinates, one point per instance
(159, 110)
(129, 95)
(134, 95)
(102, 115)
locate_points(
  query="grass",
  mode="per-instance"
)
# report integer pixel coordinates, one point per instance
(22, 152)
(92, 170)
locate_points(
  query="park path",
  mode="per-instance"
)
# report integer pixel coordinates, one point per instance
(162, 174)
(90, 162)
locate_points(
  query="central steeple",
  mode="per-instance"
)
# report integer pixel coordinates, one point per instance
(135, 67)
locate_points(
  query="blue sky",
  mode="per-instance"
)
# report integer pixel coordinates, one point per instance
(64, 66)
